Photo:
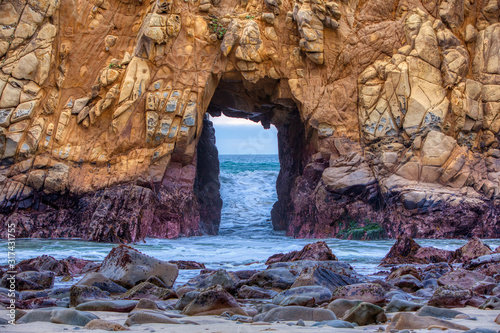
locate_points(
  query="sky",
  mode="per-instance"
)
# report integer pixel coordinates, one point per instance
(242, 136)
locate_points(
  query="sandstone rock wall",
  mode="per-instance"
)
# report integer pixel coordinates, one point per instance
(388, 114)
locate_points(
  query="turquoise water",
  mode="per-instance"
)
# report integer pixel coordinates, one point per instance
(246, 238)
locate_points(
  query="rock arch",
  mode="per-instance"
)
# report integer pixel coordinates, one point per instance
(102, 105)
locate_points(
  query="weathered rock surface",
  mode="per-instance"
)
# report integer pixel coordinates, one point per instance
(310, 295)
(98, 280)
(317, 276)
(431, 311)
(365, 314)
(82, 294)
(341, 306)
(402, 321)
(149, 291)
(387, 115)
(213, 301)
(126, 266)
(318, 251)
(99, 324)
(59, 316)
(454, 297)
(111, 305)
(296, 313)
(366, 292)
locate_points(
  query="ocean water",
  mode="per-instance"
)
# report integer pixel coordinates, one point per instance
(246, 237)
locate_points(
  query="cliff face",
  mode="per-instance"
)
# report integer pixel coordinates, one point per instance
(388, 114)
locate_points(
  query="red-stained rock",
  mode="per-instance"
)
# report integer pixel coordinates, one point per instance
(78, 266)
(434, 255)
(187, 264)
(407, 251)
(402, 252)
(318, 251)
(37, 303)
(474, 248)
(468, 280)
(68, 266)
(454, 297)
(366, 292)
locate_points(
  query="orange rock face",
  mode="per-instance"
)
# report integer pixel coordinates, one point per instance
(387, 112)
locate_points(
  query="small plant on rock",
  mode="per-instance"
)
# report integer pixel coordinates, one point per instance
(217, 27)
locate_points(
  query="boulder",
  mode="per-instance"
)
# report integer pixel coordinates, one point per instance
(317, 276)
(338, 267)
(220, 277)
(491, 303)
(408, 283)
(58, 316)
(341, 306)
(409, 321)
(37, 303)
(276, 278)
(150, 291)
(99, 324)
(20, 284)
(148, 317)
(497, 319)
(402, 252)
(474, 248)
(183, 264)
(483, 260)
(465, 279)
(400, 305)
(289, 313)
(249, 292)
(145, 303)
(365, 314)
(111, 305)
(366, 292)
(81, 294)
(100, 281)
(43, 279)
(126, 266)
(404, 270)
(407, 251)
(77, 266)
(453, 297)
(431, 311)
(213, 301)
(186, 299)
(317, 294)
(318, 251)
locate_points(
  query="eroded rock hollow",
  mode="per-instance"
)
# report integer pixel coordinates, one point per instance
(388, 114)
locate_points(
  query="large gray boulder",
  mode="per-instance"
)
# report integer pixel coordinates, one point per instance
(112, 306)
(58, 316)
(316, 294)
(126, 266)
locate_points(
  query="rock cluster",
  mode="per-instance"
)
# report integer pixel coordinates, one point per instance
(267, 296)
(387, 114)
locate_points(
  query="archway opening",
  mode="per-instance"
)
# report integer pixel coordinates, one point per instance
(257, 164)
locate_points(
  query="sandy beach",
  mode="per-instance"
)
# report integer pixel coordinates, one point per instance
(215, 324)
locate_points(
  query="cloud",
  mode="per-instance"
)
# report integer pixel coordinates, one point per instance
(227, 121)
(242, 136)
